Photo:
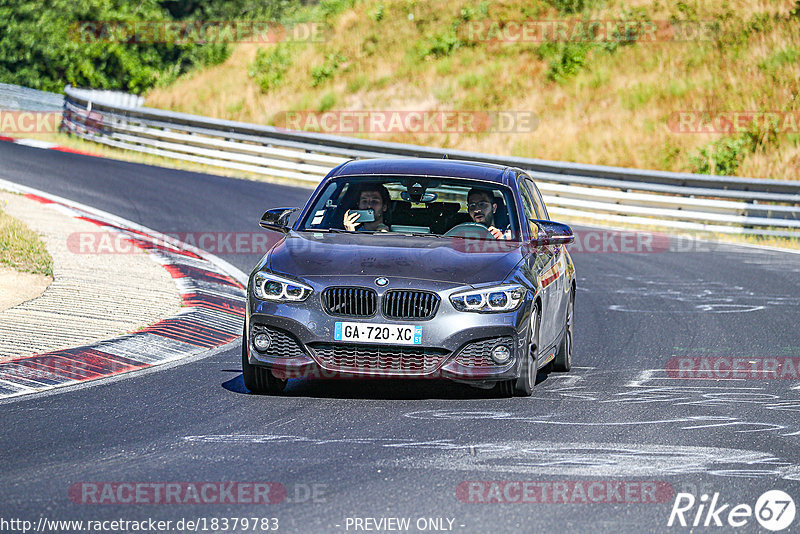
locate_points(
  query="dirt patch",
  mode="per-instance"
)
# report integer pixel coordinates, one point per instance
(16, 287)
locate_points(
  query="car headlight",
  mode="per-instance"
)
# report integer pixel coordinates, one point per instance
(503, 298)
(268, 286)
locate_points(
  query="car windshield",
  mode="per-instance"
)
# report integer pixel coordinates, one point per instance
(422, 206)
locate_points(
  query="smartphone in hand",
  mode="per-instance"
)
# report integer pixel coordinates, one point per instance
(364, 216)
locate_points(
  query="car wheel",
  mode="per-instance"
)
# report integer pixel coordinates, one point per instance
(506, 388)
(563, 360)
(523, 386)
(259, 380)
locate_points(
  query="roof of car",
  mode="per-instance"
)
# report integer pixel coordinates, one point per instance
(425, 167)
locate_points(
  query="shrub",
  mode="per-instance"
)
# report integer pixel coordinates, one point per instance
(724, 156)
(324, 72)
(270, 65)
(327, 102)
(574, 6)
(567, 59)
(441, 45)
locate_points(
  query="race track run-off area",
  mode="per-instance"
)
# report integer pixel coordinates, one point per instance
(684, 395)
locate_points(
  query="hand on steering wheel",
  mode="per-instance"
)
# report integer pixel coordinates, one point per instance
(497, 234)
(471, 229)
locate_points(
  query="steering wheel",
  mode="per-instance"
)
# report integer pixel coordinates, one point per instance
(469, 230)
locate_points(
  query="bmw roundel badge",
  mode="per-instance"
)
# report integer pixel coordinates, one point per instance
(381, 281)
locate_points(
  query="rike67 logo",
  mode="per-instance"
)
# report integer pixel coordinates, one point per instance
(774, 510)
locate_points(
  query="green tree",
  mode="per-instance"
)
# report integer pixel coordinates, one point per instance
(43, 44)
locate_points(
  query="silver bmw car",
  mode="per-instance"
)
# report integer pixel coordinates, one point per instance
(413, 268)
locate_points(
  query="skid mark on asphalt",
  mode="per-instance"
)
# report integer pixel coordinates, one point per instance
(686, 296)
(673, 407)
(615, 460)
(683, 423)
(743, 406)
(685, 406)
(606, 460)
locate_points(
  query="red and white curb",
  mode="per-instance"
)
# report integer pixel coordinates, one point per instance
(213, 295)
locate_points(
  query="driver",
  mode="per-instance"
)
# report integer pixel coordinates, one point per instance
(376, 197)
(482, 207)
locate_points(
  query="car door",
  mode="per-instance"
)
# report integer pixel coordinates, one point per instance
(542, 268)
(560, 261)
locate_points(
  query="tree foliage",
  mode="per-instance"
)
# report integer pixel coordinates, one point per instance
(42, 46)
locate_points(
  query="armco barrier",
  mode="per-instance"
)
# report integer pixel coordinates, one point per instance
(644, 197)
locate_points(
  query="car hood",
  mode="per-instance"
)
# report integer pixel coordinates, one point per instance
(457, 260)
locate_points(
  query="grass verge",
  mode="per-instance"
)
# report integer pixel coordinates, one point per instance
(21, 248)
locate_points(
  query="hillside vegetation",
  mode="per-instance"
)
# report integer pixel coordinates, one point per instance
(610, 101)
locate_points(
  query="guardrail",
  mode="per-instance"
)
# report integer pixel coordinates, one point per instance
(612, 194)
(16, 97)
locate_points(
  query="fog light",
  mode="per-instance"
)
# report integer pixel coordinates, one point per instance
(262, 342)
(501, 354)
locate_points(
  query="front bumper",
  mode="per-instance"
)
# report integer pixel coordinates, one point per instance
(455, 344)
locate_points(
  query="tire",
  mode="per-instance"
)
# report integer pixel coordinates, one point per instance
(505, 388)
(563, 360)
(527, 377)
(523, 386)
(258, 380)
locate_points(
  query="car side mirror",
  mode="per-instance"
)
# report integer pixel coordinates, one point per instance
(552, 233)
(277, 219)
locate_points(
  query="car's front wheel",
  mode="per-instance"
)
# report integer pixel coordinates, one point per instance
(257, 379)
(523, 386)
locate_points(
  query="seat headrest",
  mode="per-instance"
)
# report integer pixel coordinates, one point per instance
(501, 219)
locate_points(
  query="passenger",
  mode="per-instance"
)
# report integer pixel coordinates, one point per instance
(376, 197)
(482, 207)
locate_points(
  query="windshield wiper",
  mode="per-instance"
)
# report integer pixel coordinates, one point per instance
(424, 234)
(415, 234)
(336, 231)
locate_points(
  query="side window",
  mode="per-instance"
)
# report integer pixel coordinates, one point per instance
(530, 209)
(536, 196)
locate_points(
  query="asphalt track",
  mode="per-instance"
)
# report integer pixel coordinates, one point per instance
(376, 449)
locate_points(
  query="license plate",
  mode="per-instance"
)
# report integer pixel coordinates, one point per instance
(378, 333)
